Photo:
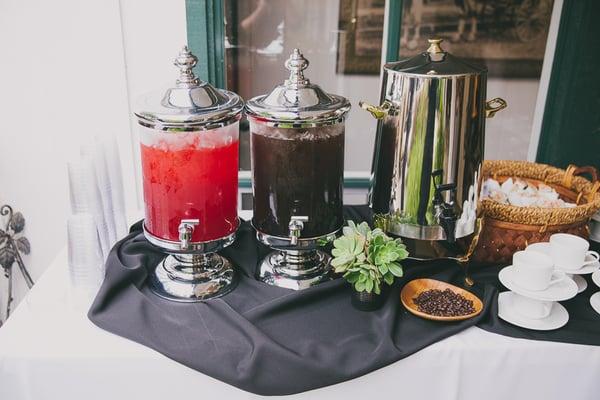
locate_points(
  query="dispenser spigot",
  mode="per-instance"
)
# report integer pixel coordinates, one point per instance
(444, 211)
(296, 225)
(186, 229)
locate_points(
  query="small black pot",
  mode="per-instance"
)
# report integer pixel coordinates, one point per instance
(364, 301)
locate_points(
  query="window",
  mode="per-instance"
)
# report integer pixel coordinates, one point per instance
(342, 41)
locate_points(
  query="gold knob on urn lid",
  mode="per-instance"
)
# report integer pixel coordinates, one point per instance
(434, 46)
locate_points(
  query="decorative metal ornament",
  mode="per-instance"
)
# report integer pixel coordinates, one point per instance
(12, 245)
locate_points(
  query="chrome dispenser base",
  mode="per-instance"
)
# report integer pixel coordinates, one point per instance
(297, 263)
(193, 274)
(193, 277)
(295, 269)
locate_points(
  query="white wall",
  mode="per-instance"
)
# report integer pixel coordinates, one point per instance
(63, 80)
(153, 33)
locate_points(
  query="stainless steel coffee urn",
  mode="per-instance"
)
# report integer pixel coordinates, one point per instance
(429, 149)
(297, 176)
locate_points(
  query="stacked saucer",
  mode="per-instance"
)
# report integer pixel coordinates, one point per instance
(595, 298)
(570, 254)
(535, 287)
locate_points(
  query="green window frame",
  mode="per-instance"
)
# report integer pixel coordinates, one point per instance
(206, 39)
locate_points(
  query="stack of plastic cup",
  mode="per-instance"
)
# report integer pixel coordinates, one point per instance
(96, 154)
(115, 176)
(98, 216)
(85, 256)
(86, 198)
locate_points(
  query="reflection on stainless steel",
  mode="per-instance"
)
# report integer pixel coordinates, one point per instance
(192, 277)
(295, 269)
(429, 146)
(435, 127)
(297, 262)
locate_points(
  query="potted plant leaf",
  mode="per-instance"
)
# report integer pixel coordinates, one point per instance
(368, 260)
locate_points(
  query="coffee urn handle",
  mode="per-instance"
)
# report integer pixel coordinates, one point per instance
(493, 106)
(186, 229)
(296, 225)
(378, 112)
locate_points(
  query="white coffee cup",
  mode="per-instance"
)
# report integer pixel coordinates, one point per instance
(540, 247)
(570, 251)
(535, 271)
(531, 308)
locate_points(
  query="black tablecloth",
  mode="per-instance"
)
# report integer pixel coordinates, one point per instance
(274, 341)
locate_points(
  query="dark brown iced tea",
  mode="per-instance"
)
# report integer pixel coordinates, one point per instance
(297, 172)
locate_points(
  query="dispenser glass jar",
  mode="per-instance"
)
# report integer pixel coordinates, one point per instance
(297, 147)
(190, 175)
(297, 171)
(189, 137)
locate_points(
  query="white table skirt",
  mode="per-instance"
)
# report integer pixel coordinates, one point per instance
(50, 350)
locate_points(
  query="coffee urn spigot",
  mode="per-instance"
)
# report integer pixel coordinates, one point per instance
(186, 229)
(296, 225)
(445, 211)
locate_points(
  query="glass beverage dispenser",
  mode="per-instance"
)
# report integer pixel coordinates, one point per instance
(189, 150)
(298, 171)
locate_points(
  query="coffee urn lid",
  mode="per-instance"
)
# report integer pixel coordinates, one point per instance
(191, 104)
(298, 103)
(435, 62)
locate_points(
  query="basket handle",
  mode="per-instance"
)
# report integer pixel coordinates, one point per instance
(574, 170)
(595, 188)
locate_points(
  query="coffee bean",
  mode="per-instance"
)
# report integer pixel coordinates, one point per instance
(444, 303)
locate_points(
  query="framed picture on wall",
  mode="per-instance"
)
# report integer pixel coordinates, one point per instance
(509, 36)
(360, 36)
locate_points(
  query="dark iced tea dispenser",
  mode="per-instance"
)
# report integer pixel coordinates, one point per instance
(297, 169)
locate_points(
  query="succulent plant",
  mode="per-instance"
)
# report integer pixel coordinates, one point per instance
(367, 257)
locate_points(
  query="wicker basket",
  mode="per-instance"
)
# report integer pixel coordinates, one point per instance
(507, 229)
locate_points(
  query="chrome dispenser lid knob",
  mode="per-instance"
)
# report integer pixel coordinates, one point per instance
(298, 103)
(186, 62)
(296, 64)
(190, 104)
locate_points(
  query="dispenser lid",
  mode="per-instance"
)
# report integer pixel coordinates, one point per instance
(435, 62)
(191, 104)
(297, 102)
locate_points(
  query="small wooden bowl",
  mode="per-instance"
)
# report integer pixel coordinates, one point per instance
(415, 287)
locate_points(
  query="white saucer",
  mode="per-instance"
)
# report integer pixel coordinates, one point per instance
(588, 269)
(564, 290)
(595, 302)
(558, 317)
(596, 278)
(580, 281)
